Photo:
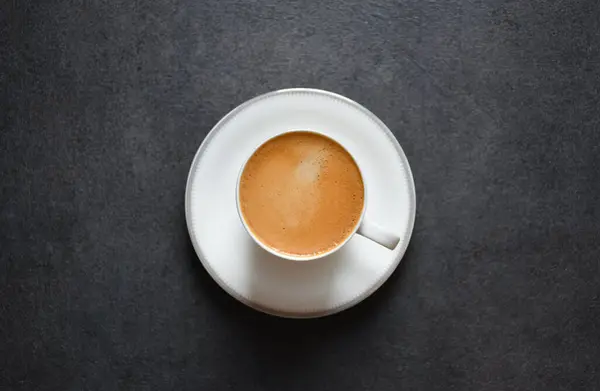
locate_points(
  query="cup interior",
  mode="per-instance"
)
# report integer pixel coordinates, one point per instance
(276, 251)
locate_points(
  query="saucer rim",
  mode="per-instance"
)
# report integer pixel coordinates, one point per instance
(292, 314)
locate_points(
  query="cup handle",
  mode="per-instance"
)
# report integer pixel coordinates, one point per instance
(377, 234)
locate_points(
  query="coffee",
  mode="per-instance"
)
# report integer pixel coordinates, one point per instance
(301, 194)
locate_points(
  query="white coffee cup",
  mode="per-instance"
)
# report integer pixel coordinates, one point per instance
(364, 227)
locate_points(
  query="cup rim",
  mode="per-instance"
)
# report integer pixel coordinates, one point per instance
(283, 254)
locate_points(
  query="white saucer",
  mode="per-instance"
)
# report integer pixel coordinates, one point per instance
(264, 281)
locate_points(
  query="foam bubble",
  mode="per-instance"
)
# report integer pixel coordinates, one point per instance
(309, 168)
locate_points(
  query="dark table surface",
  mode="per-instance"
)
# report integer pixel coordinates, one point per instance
(104, 103)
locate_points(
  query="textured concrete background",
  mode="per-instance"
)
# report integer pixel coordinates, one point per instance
(103, 104)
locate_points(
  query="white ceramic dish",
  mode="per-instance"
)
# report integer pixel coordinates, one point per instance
(260, 279)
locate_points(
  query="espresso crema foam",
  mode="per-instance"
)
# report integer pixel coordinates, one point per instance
(301, 194)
